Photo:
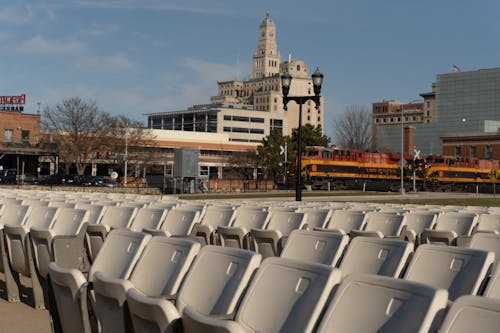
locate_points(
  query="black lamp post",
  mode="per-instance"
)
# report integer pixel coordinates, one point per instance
(286, 80)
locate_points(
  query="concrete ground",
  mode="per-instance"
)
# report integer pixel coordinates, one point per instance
(22, 317)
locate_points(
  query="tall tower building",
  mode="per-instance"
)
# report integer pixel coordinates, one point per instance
(248, 110)
(266, 59)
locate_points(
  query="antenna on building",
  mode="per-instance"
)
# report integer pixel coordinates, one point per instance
(38, 108)
(238, 65)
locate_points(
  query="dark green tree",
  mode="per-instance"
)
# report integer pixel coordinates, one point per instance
(268, 155)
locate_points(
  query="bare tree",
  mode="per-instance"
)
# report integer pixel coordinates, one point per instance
(81, 130)
(353, 128)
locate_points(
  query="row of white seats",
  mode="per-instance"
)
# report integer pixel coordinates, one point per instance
(217, 289)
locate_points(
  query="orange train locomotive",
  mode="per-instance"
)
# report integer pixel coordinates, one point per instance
(336, 168)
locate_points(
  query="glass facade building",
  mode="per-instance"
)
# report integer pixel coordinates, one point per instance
(466, 102)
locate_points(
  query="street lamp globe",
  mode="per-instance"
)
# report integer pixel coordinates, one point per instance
(286, 81)
(317, 79)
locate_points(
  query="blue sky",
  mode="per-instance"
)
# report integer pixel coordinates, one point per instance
(139, 56)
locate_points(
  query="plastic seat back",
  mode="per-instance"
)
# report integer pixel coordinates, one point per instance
(14, 214)
(460, 223)
(317, 217)
(389, 224)
(315, 246)
(417, 222)
(158, 278)
(95, 212)
(35, 202)
(286, 222)
(118, 217)
(180, 222)
(488, 223)
(69, 228)
(119, 253)
(472, 314)
(150, 218)
(459, 270)
(237, 234)
(486, 242)
(248, 219)
(346, 220)
(41, 217)
(117, 258)
(376, 256)
(382, 304)
(152, 277)
(286, 296)
(217, 279)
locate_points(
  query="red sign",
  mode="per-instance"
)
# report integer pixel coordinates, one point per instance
(13, 99)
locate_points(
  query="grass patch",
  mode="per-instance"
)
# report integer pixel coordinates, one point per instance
(484, 202)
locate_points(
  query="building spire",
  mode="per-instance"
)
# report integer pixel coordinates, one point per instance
(266, 58)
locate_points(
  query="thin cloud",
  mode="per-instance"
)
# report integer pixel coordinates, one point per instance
(158, 6)
(114, 62)
(41, 45)
(17, 14)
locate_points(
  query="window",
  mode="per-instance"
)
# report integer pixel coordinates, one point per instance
(25, 136)
(276, 124)
(256, 131)
(8, 135)
(473, 152)
(257, 120)
(458, 151)
(489, 152)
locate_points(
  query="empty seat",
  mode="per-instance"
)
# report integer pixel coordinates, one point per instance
(213, 286)
(376, 256)
(344, 221)
(459, 270)
(13, 214)
(416, 223)
(381, 225)
(62, 204)
(19, 249)
(370, 303)
(62, 243)
(150, 218)
(153, 277)
(472, 314)
(270, 241)
(114, 217)
(486, 242)
(95, 212)
(316, 217)
(315, 246)
(117, 257)
(179, 222)
(35, 202)
(214, 217)
(285, 296)
(449, 226)
(237, 235)
(488, 223)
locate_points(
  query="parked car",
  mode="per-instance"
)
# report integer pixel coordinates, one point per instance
(101, 181)
(8, 176)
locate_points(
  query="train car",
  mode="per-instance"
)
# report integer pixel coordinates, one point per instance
(444, 173)
(335, 168)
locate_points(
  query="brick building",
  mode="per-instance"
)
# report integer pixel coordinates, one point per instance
(20, 144)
